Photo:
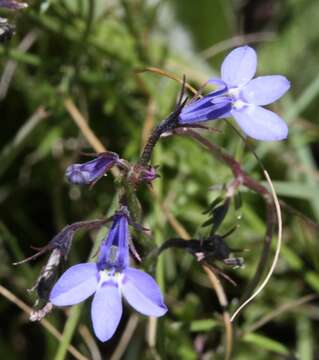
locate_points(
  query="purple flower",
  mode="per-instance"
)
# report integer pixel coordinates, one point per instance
(91, 171)
(242, 97)
(109, 279)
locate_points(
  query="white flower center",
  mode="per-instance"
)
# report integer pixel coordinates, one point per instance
(238, 104)
(234, 92)
(105, 276)
(111, 275)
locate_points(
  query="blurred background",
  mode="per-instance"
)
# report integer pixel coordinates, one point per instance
(89, 51)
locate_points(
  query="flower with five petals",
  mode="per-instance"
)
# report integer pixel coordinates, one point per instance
(242, 97)
(109, 279)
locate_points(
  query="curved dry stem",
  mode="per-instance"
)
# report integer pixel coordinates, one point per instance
(83, 126)
(271, 219)
(170, 76)
(277, 253)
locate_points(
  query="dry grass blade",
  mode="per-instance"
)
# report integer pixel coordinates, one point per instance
(11, 65)
(277, 253)
(87, 132)
(175, 224)
(48, 326)
(126, 337)
(80, 121)
(170, 76)
(224, 303)
(90, 342)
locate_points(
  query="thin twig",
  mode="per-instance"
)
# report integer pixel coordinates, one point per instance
(151, 333)
(224, 304)
(83, 126)
(168, 75)
(11, 65)
(90, 342)
(87, 132)
(126, 337)
(45, 323)
(275, 313)
(11, 150)
(277, 252)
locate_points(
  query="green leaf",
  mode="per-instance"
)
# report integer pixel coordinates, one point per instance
(266, 343)
(294, 189)
(203, 325)
(305, 339)
(312, 279)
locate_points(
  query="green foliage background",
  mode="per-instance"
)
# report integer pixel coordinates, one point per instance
(89, 51)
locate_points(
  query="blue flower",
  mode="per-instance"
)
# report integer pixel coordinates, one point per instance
(109, 279)
(91, 171)
(242, 97)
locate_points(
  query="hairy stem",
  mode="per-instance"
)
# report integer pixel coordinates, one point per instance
(161, 128)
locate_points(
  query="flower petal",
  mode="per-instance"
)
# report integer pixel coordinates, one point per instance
(197, 104)
(75, 285)
(92, 170)
(265, 89)
(142, 293)
(114, 251)
(106, 311)
(260, 123)
(207, 108)
(239, 66)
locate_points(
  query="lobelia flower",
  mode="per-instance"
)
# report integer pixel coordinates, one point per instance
(109, 279)
(242, 97)
(91, 171)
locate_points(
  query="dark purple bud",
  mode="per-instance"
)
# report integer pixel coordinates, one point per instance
(148, 174)
(59, 246)
(12, 4)
(63, 240)
(91, 171)
(140, 173)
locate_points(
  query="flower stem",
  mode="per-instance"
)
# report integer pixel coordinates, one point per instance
(168, 124)
(161, 128)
